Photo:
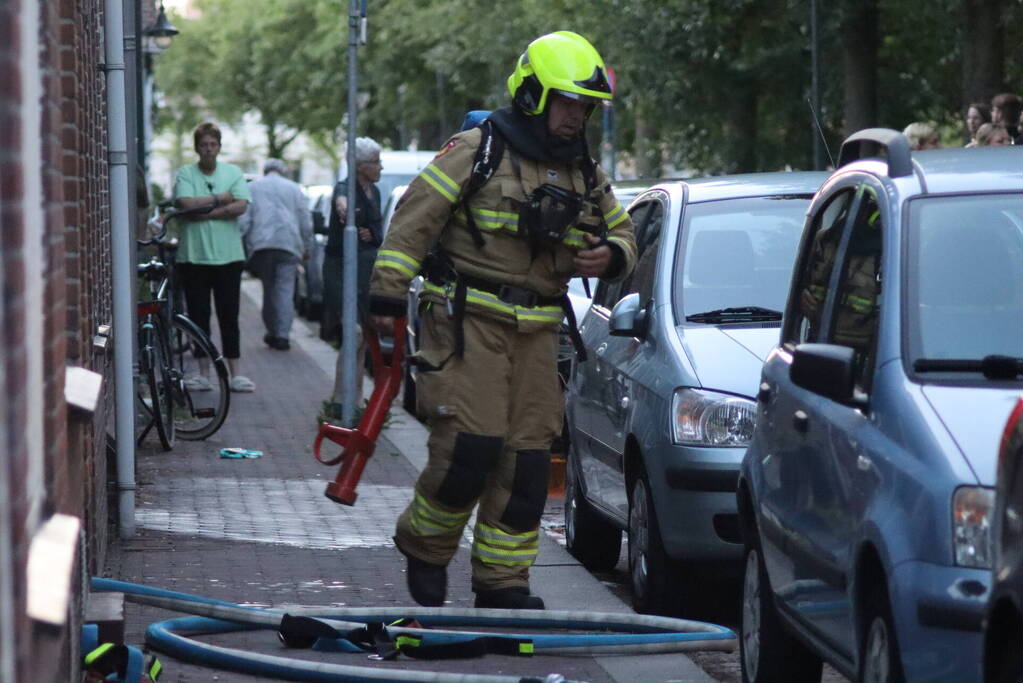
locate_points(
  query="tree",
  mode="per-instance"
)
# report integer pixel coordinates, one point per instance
(279, 58)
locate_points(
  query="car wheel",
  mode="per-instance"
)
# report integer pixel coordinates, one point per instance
(657, 587)
(1006, 666)
(767, 652)
(591, 539)
(879, 653)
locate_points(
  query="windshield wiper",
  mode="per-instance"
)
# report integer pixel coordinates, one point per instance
(992, 367)
(744, 314)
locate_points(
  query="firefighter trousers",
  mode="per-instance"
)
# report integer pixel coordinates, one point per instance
(493, 415)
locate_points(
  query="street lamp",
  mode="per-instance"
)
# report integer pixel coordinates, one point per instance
(162, 32)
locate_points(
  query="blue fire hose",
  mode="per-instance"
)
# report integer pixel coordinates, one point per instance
(622, 633)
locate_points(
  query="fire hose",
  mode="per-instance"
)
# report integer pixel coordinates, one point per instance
(609, 633)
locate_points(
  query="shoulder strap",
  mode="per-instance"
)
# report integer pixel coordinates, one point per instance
(488, 158)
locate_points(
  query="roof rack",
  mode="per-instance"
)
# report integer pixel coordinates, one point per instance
(878, 142)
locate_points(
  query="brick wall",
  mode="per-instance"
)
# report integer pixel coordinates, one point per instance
(55, 289)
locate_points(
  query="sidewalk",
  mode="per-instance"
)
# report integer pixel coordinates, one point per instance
(260, 531)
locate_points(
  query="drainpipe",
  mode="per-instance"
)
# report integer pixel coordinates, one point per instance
(121, 247)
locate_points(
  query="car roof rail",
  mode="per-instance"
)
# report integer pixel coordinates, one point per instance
(878, 142)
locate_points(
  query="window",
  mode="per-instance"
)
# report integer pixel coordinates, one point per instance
(738, 253)
(858, 293)
(815, 266)
(608, 294)
(965, 277)
(648, 240)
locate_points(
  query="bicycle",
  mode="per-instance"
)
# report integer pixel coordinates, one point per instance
(176, 356)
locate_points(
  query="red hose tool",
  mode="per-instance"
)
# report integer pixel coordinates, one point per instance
(360, 442)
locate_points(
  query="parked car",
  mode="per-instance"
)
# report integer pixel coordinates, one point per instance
(660, 414)
(866, 494)
(1003, 627)
(309, 286)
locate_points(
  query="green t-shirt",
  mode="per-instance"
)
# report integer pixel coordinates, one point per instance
(216, 242)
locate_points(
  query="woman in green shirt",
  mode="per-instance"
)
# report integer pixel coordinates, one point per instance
(210, 256)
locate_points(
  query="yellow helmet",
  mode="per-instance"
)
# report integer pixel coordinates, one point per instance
(564, 62)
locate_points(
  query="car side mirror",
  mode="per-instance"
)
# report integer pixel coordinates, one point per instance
(628, 318)
(828, 370)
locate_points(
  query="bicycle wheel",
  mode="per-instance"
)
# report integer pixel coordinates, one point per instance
(203, 397)
(156, 390)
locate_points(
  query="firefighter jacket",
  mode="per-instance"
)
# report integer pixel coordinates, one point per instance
(431, 214)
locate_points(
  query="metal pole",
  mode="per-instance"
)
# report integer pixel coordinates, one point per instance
(121, 243)
(350, 242)
(815, 86)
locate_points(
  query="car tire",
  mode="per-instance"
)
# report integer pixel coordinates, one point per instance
(879, 646)
(767, 652)
(1006, 666)
(656, 580)
(591, 539)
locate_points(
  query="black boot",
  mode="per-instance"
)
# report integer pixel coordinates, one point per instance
(516, 597)
(427, 582)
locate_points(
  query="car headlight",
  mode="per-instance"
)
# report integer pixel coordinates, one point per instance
(707, 418)
(972, 508)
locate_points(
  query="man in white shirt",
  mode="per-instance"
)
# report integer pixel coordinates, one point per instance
(278, 231)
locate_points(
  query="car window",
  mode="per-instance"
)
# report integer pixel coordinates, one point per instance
(648, 239)
(738, 253)
(858, 291)
(607, 294)
(965, 277)
(815, 265)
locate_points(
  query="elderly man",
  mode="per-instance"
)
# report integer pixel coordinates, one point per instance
(278, 232)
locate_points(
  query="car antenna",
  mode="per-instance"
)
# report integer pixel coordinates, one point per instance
(820, 131)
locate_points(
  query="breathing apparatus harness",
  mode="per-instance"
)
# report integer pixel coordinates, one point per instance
(546, 216)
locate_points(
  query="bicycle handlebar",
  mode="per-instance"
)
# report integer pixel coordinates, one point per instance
(161, 231)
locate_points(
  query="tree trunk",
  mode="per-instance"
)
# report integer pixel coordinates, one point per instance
(648, 154)
(983, 50)
(741, 125)
(859, 64)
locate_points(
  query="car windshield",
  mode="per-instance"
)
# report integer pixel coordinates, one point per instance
(738, 254)
(964, 280)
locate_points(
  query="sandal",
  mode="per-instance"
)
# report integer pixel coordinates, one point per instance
(242, 384)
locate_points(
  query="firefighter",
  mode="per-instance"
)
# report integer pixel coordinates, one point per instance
(498, 222)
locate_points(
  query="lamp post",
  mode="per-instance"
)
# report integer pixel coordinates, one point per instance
(162, 31)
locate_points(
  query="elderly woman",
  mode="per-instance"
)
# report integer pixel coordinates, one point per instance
(922, 136)
(993, 135)
(210, 255)
(369, 224)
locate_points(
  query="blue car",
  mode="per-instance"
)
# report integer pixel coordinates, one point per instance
(866, 494)
(660, 413)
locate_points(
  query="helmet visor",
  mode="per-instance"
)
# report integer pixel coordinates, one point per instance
(588, 99)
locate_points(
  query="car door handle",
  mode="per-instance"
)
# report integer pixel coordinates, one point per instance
(863, 463)
(764, 395)
(602, 349)
(801, 421)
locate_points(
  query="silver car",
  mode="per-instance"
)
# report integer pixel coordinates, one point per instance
(661, 412)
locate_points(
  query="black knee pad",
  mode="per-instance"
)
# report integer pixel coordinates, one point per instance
(529, 490)
(471, 459)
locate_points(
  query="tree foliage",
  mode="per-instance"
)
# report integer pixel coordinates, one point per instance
(703, 85)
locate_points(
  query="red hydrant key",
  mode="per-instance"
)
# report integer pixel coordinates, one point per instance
(358, 443)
